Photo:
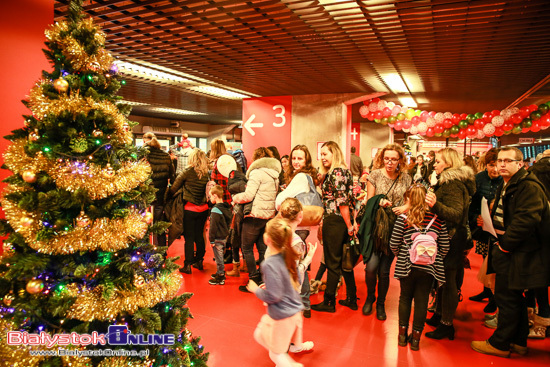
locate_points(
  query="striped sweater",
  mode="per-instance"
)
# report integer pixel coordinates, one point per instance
(401, 242)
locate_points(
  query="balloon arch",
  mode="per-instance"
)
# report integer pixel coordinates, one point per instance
(473, 126)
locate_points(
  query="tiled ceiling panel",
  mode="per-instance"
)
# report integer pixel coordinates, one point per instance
(458, 56)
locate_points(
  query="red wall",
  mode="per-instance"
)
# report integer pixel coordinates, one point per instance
(22, 25)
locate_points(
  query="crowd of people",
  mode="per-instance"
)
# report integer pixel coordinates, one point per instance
(427, 212)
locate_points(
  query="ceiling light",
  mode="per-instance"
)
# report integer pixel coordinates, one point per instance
(395, 83)
(408, 101)
(176, 111)
(149, 73)
(218, 92)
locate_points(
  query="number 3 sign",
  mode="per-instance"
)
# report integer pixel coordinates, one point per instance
(266, 122)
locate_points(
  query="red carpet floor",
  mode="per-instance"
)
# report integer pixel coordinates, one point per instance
(226, 318)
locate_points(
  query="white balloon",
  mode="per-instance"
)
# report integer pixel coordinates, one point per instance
(390, 105)
(430, 121)
(498, 121)
(382, 104)
(226, 164)
(422, 127)
(489, 129)
(439, 117)
(364, 110)
(414, 130)
(448, 115)
(480, 134)
(373, 106)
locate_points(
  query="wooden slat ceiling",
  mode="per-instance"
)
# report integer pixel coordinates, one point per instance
(457, 56)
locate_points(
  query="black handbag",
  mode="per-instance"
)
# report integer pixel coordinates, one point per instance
(350, 254)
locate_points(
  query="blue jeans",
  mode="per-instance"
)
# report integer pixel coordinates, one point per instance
(219, 249)
(253, 233)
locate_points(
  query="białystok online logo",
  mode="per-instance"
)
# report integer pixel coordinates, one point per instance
(117, 335)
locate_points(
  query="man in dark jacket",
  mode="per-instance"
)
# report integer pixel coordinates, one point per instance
(520, 256)
(541, 169)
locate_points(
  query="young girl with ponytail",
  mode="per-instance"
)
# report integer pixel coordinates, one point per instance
(416, 280)
(283, 322)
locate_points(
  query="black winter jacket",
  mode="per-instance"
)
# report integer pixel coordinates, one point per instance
(527, 236)
(486, 187)
(163, 170)
(454, 189)
(220, 220)
(542, 170)
(194, 188)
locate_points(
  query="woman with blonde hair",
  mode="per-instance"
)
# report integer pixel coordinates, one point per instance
(338, 200)
(191, 183)
(162, 173)
(389, 178)
(450, 202)
(217, 149)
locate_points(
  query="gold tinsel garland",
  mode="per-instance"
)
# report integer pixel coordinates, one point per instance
(89, 177)
(105, 234)
(75, 52)
(90, 304)
(41, 106)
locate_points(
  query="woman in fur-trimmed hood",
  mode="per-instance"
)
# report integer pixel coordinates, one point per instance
(454, 188)
(261, 190)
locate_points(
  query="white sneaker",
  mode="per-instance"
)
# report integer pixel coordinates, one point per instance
(303, 348)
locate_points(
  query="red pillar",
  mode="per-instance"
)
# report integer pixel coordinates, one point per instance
(22, 25)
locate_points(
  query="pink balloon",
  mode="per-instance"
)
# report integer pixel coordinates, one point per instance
(398, 125)
(423, 116)
(407, 124)
(386, 112)
(432, 113)
(415, 120)
(395, 110)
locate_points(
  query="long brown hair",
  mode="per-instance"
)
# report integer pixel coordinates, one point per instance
(280, 233)
(308, 168)
(379, 159)
(261, 152)
(416, 194)
(217, 149)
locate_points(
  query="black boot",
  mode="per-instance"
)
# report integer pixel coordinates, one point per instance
(328, 305)
(434, 320)
(415, 340)
(198, 265)
(186, 269)
(441, 332)
(367, 307)
(403, 337)
(491, 307)
(350, 301)
(380, 312)
(486, 294)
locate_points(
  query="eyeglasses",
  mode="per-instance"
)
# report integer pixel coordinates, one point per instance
(393, 160)
(507, 161)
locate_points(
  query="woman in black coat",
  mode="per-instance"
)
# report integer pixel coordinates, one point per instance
(191, 182)
(455, 187)
(163, 173)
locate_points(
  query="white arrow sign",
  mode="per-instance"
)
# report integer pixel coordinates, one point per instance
(248, 125)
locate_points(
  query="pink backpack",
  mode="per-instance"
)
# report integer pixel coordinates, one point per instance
(424, 245)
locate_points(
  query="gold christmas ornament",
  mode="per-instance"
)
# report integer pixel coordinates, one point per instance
(33, 137)
(26, 222)
(7, 250)
(108, 172)
(139, 281)
(35, 286)
(8, 299)
(61, 85)
(148, 218)
(83, 220)
(29, 176)
(97, 133)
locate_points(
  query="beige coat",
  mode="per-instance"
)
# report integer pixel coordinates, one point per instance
(262, 187)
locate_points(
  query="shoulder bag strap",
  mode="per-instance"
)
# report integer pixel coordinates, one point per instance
(391, 187)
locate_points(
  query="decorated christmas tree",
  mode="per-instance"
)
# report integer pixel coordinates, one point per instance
(78, 270)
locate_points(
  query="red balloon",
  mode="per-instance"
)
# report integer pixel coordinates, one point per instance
(447, 123)
(533, 107)
(479, 123)
(507, 126)
(456, 118)
(524, 111)
(370, 116)
(454, 135)
(500, 132)
(544, 121)
(526, 129)
(430, 132)
(376, 100)
(438, 129)
(535, 127)
(366, 103)
(432, 113)
(386, 112)
(516, 118)
(398, 125)
(463, 116)
(378, 115)
(462, 134)
(407, 124)
(471, 130)
(497, 112)
(487, 117)
(424, 116)
(415, 120)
